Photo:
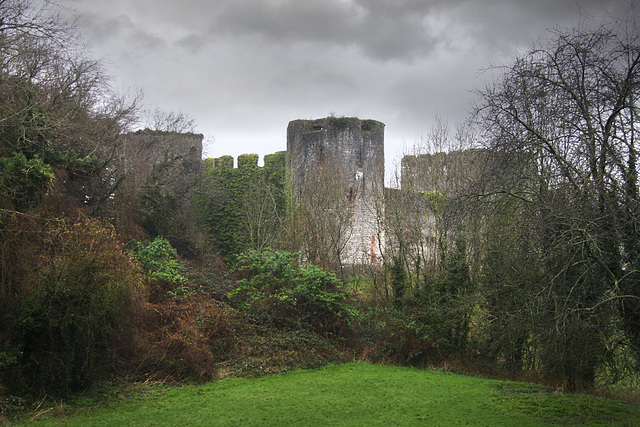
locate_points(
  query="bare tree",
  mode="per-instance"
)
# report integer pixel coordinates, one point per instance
(261, 221)
(327, 204)
(169, 121)
(56, 102)
(423, 215)
(564, 115)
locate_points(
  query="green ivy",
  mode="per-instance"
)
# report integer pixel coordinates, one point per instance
(222, 213)
(70, 159)
(369, 125)
(23, 180)
(339, 123)
(398, 280)
(435, 200)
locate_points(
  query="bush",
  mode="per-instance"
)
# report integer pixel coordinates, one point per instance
(184, 340)
(23, 180)
(160, 261)
(290, 294)
(73, 306)
(400, 335)
(398, 281)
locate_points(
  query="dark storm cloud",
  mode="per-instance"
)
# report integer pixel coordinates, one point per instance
(504, 24)
(404, 30)
(401, 29)
(244, 68)
(381, 29)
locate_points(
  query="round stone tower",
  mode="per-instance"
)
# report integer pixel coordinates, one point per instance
(353, 149)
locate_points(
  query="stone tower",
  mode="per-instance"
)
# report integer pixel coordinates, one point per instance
(354, 149)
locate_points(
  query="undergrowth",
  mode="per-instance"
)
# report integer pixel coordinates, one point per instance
(271, 316)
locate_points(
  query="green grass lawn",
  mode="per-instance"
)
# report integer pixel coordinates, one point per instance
(358, 395)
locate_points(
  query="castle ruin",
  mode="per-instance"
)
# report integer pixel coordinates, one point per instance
(334, 168)
(351, 151)
(155, 169)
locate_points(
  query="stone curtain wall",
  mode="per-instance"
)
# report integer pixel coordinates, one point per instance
(248, 200)
(446, 173)
(355, 149)
(428, 183)
(350, 148)
(179, 155)
(155, 172)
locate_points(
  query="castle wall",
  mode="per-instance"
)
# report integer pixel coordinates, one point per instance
(427, 181)
(354, 149)
(447, 173)
(159, 163)
(176, 156)
(350, 149)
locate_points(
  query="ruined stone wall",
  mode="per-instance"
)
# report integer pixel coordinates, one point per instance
(154, 171)
(354, 148)
(173, 156)
(427, 182)
(446, 173)
(249, 203)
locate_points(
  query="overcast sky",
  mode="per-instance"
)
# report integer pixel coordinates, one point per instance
(244, 68)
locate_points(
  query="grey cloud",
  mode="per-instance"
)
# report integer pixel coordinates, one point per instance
(383, 30)
(405, 30)
(314, 76)
(116, 29)
(503, 24)
(194, 43)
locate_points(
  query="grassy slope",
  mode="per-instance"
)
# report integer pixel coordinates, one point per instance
(360, 394)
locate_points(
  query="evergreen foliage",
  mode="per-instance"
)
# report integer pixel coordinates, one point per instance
(456, 299)
(159, 259)
(292, 295)
(398, 281)
(22, 181)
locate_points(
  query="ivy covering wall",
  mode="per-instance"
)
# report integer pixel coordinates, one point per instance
(246, 205)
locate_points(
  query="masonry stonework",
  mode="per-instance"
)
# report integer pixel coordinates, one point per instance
(356, 149)
(444, 172)
(178, 155)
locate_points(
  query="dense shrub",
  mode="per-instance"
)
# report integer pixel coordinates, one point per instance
(454, 298)
(398, 281)
(180, 340)
(22, 180)
(423, 325)
(160, 261)
(410, 334)
(71, 307)
(289, 294)
(262, 350)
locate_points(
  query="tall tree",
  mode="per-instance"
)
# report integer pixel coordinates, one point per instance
(566, 109)
(67, 289)
(56, 103)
